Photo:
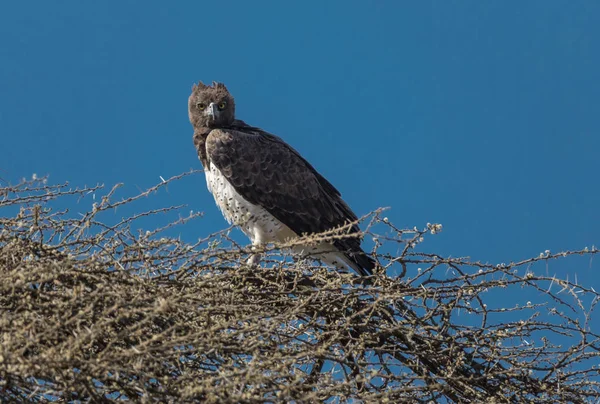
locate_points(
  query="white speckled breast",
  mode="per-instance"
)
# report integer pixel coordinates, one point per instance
(258, 224)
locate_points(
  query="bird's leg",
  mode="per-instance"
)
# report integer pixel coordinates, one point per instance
(254, 259)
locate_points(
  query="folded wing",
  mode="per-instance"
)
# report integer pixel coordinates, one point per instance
(268, 172)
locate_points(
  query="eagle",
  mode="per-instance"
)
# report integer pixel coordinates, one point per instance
(265, 187)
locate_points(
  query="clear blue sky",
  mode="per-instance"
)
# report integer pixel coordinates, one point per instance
(481, 115)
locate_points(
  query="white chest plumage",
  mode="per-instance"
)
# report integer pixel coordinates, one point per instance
(255, 221)
(258, 224)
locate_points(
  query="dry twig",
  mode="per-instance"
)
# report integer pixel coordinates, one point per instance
(97, 311)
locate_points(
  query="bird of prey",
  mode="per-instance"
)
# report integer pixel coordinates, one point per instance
(264, 186)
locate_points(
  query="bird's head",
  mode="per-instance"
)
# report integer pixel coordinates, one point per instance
(211, 106)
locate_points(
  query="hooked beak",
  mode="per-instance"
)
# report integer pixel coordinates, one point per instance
(212, 111)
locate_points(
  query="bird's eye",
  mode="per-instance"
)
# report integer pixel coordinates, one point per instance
(201, 105)
(222, 105)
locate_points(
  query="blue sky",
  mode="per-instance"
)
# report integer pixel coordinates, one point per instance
(481, 115)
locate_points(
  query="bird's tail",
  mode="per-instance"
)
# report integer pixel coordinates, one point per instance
(360, 262)
(332, 255)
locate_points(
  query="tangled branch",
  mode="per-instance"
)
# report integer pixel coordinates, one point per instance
(95, 308)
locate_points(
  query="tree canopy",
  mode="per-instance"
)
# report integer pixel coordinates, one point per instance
(105, 311)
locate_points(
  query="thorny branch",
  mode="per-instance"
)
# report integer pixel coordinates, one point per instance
(94, 310)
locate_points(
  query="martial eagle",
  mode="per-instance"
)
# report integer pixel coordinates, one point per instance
(264, 186)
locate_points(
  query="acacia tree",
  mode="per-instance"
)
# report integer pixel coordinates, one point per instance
(101, 311)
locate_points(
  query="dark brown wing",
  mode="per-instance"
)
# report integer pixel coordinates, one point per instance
(268, 172)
